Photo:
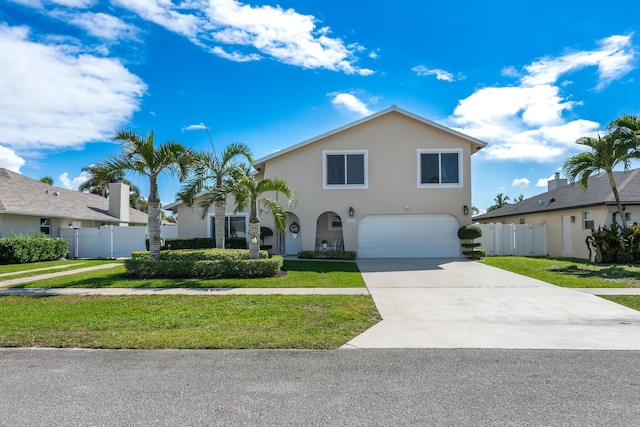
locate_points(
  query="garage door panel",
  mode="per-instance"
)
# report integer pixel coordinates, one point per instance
(408, 236)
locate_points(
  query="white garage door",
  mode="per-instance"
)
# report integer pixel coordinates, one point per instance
(408, 236)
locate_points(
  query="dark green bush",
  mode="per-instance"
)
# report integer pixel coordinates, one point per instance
(476, 253)
(21, 249)
(235, 243)
(200, 255)
(469, 232)
(342, 255)
(187, 243)
(614, 244)
(228, 268)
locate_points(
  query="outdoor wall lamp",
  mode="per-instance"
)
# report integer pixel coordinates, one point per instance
(465, 209)
(351, 211)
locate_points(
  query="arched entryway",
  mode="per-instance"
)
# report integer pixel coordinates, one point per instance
(329, 231)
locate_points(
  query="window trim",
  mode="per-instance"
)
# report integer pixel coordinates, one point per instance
(45, 223)
(364, 153)
(330, 226)
(588, 216)
(440, 151)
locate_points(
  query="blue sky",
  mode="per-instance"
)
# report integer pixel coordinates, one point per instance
(527, 77)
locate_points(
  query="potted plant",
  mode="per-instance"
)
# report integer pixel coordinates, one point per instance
(324, 244)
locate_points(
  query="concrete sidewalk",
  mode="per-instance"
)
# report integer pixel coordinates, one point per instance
(21, 280)
(455, 303)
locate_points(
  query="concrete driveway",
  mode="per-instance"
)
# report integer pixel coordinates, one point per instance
(456, 303)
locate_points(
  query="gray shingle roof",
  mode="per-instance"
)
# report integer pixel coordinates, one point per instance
(571, 196)
(25, 196)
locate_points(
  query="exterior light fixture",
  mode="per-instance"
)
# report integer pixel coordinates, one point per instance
(465, 209)
(351, 211)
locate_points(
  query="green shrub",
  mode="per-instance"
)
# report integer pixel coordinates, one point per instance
(21, 249)
(200, 255)
(187, 243)
(219, 269)
(341, 255)
(470, 232)
(235, 243)
(476, 253)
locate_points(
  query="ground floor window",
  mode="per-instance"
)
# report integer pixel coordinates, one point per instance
(234, 226)
(589, 223)
(45, 226)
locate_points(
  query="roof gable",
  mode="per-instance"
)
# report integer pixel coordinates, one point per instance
(476, 143)
(25, 196)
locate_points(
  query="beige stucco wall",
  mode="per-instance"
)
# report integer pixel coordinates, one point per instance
(602, 216)
(392, 142)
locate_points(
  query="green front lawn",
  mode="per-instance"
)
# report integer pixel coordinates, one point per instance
(178, 321)
(569, 272)
(631, 301)
(299, 274)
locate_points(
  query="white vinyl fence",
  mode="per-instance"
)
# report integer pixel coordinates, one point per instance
(514, 239)
(107, 241)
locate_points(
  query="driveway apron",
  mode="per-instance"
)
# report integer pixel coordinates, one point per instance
(456, 303)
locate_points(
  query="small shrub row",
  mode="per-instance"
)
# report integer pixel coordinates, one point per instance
(220, 269)
(21, 249)
(200, 255)
(175, 243)
(341, 255)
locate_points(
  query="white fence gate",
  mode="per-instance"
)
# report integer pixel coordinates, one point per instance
(107, 241)
(514, 239)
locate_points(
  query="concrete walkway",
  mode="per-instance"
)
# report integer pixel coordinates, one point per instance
(453, 303)
(21, 280)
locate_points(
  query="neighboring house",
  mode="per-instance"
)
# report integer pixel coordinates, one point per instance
(571, 212)
(389, 185)
(28, 206)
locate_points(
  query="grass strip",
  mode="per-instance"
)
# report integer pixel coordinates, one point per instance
(631, 301)
(12, 271)
(187, 322)
(299, 274)
(570, 272)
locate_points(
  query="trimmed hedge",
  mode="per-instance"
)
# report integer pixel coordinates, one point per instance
(175, 243)
(21, 249)
(200, 255)
(220, 269)
(341, 255)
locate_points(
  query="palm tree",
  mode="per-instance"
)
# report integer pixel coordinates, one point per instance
(500, 201)
(98, 183)
(249, 191)
(47, 180)
(141, 157)
(606, 152)
(519, 198)
(215, 175)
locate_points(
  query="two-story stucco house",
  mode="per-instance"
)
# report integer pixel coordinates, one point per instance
(390, 185)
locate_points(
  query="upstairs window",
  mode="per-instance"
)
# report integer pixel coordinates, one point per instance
(439, 168)
(345, 169)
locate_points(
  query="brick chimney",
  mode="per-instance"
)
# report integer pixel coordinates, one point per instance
(552, 184)
(119, 201)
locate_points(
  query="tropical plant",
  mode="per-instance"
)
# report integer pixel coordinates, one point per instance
(212, 177)
(519, 198)
(47, 180)
(606, 152)
(249, 191)
(141, 157)
(98, 183)
(499, 201)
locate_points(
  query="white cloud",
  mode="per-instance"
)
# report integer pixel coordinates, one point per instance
(56, 96)
(520, 183)
(510, 72)
(75, 183)
(528, 121)
(100, 25)
(440, 74)
(241, 32)
(198, 126)
(350, 103)
(10, 160)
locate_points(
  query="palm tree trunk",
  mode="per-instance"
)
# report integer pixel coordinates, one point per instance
(219, 211)
(614, 188)
(153, 220)
(254, 240)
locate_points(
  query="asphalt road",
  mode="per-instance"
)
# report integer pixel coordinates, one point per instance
(325, 388)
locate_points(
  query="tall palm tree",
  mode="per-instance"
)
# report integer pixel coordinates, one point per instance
(140, 157)
(213, 176)
(249, 191)
(606, 152)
